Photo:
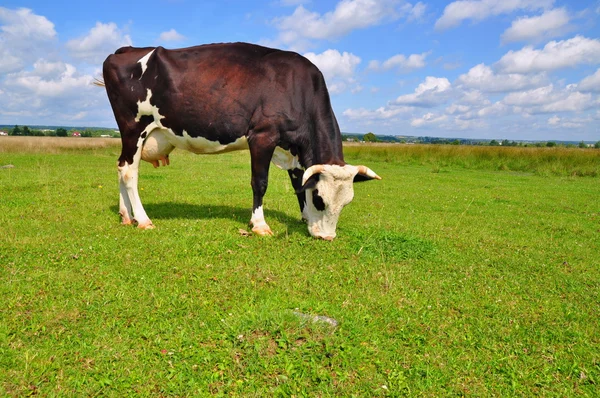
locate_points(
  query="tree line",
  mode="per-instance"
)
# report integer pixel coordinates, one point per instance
(60, 132)
(371, 137)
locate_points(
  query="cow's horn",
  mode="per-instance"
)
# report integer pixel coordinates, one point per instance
(365, 171)
(312, 170)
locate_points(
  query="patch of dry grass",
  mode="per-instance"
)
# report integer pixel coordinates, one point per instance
(54, 144)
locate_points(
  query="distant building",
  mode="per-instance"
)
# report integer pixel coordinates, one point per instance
(3, 133)
(76, 134)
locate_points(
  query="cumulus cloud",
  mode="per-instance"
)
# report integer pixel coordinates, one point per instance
(555, 55)
(50, 79)
(551, 23)
(482, 77)
(478, 10)
(590, 83)
(416, 12)
(171, 35)
(381, 113)
(23, 36)
(428, 118)
(549, 99)
(51, 90)
(401, 62)
(102, 40)
(348, 15)
(554, 120)
(432, 92)
(338, 68)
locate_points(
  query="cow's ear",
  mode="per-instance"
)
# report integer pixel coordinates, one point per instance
(311, 183)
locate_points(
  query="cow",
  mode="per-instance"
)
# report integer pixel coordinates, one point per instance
(217, 98)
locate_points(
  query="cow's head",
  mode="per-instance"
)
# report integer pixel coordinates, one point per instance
(328, 189)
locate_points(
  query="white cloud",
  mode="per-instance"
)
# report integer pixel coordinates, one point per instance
(381, 113)
(554, 55)
(416, 12)
(338, 68)
(478, 10)
(348, 15)
(554, 120)
(432, 92)
(22, 23)
(23, 37)
(102, 40)
(590, 83)
(333, 63)
(50, 79)
(548, 99)
(482, 77)
(428, 118)
(171, 35)
(496, 109)
(401, 62)
(550, 24)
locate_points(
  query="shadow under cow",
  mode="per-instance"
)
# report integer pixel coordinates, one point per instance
(187, 211)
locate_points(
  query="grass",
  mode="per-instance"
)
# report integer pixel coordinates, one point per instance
(457, 281)
(557, 161)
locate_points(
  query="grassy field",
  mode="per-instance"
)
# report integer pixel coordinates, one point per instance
(458, 274)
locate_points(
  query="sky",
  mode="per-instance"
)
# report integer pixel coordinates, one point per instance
(490, 69)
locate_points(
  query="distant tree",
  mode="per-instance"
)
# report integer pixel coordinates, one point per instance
(550, 144)
(26, 131)
(17, 131)
(86, 133)
(370, 137)
(597, 145)
(61, 132)
(37, 133)
(455, 142)
(505, 142)
(494, 143)
(582, 145)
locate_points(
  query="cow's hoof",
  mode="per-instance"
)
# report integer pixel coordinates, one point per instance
(126, 221)
(146, 225)
(262, 230)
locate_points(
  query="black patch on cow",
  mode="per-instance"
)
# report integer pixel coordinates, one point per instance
(310, 184)
(318, 201)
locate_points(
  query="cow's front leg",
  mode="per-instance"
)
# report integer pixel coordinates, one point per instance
(261, 152)
(296, 179)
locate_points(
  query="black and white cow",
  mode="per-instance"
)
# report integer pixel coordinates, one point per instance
(225, 97)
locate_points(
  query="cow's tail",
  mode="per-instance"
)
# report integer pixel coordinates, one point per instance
(98, 82)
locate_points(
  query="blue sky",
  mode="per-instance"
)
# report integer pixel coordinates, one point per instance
(504, 69)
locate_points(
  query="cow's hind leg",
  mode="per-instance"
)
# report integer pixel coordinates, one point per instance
(261, 152)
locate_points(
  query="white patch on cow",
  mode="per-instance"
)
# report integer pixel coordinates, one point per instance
(258, 217)
(144, 62)
(285, 160)
(201, 145)
(336, 188)
(145, 108)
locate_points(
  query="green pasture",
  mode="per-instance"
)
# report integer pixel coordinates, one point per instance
(448, 278)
